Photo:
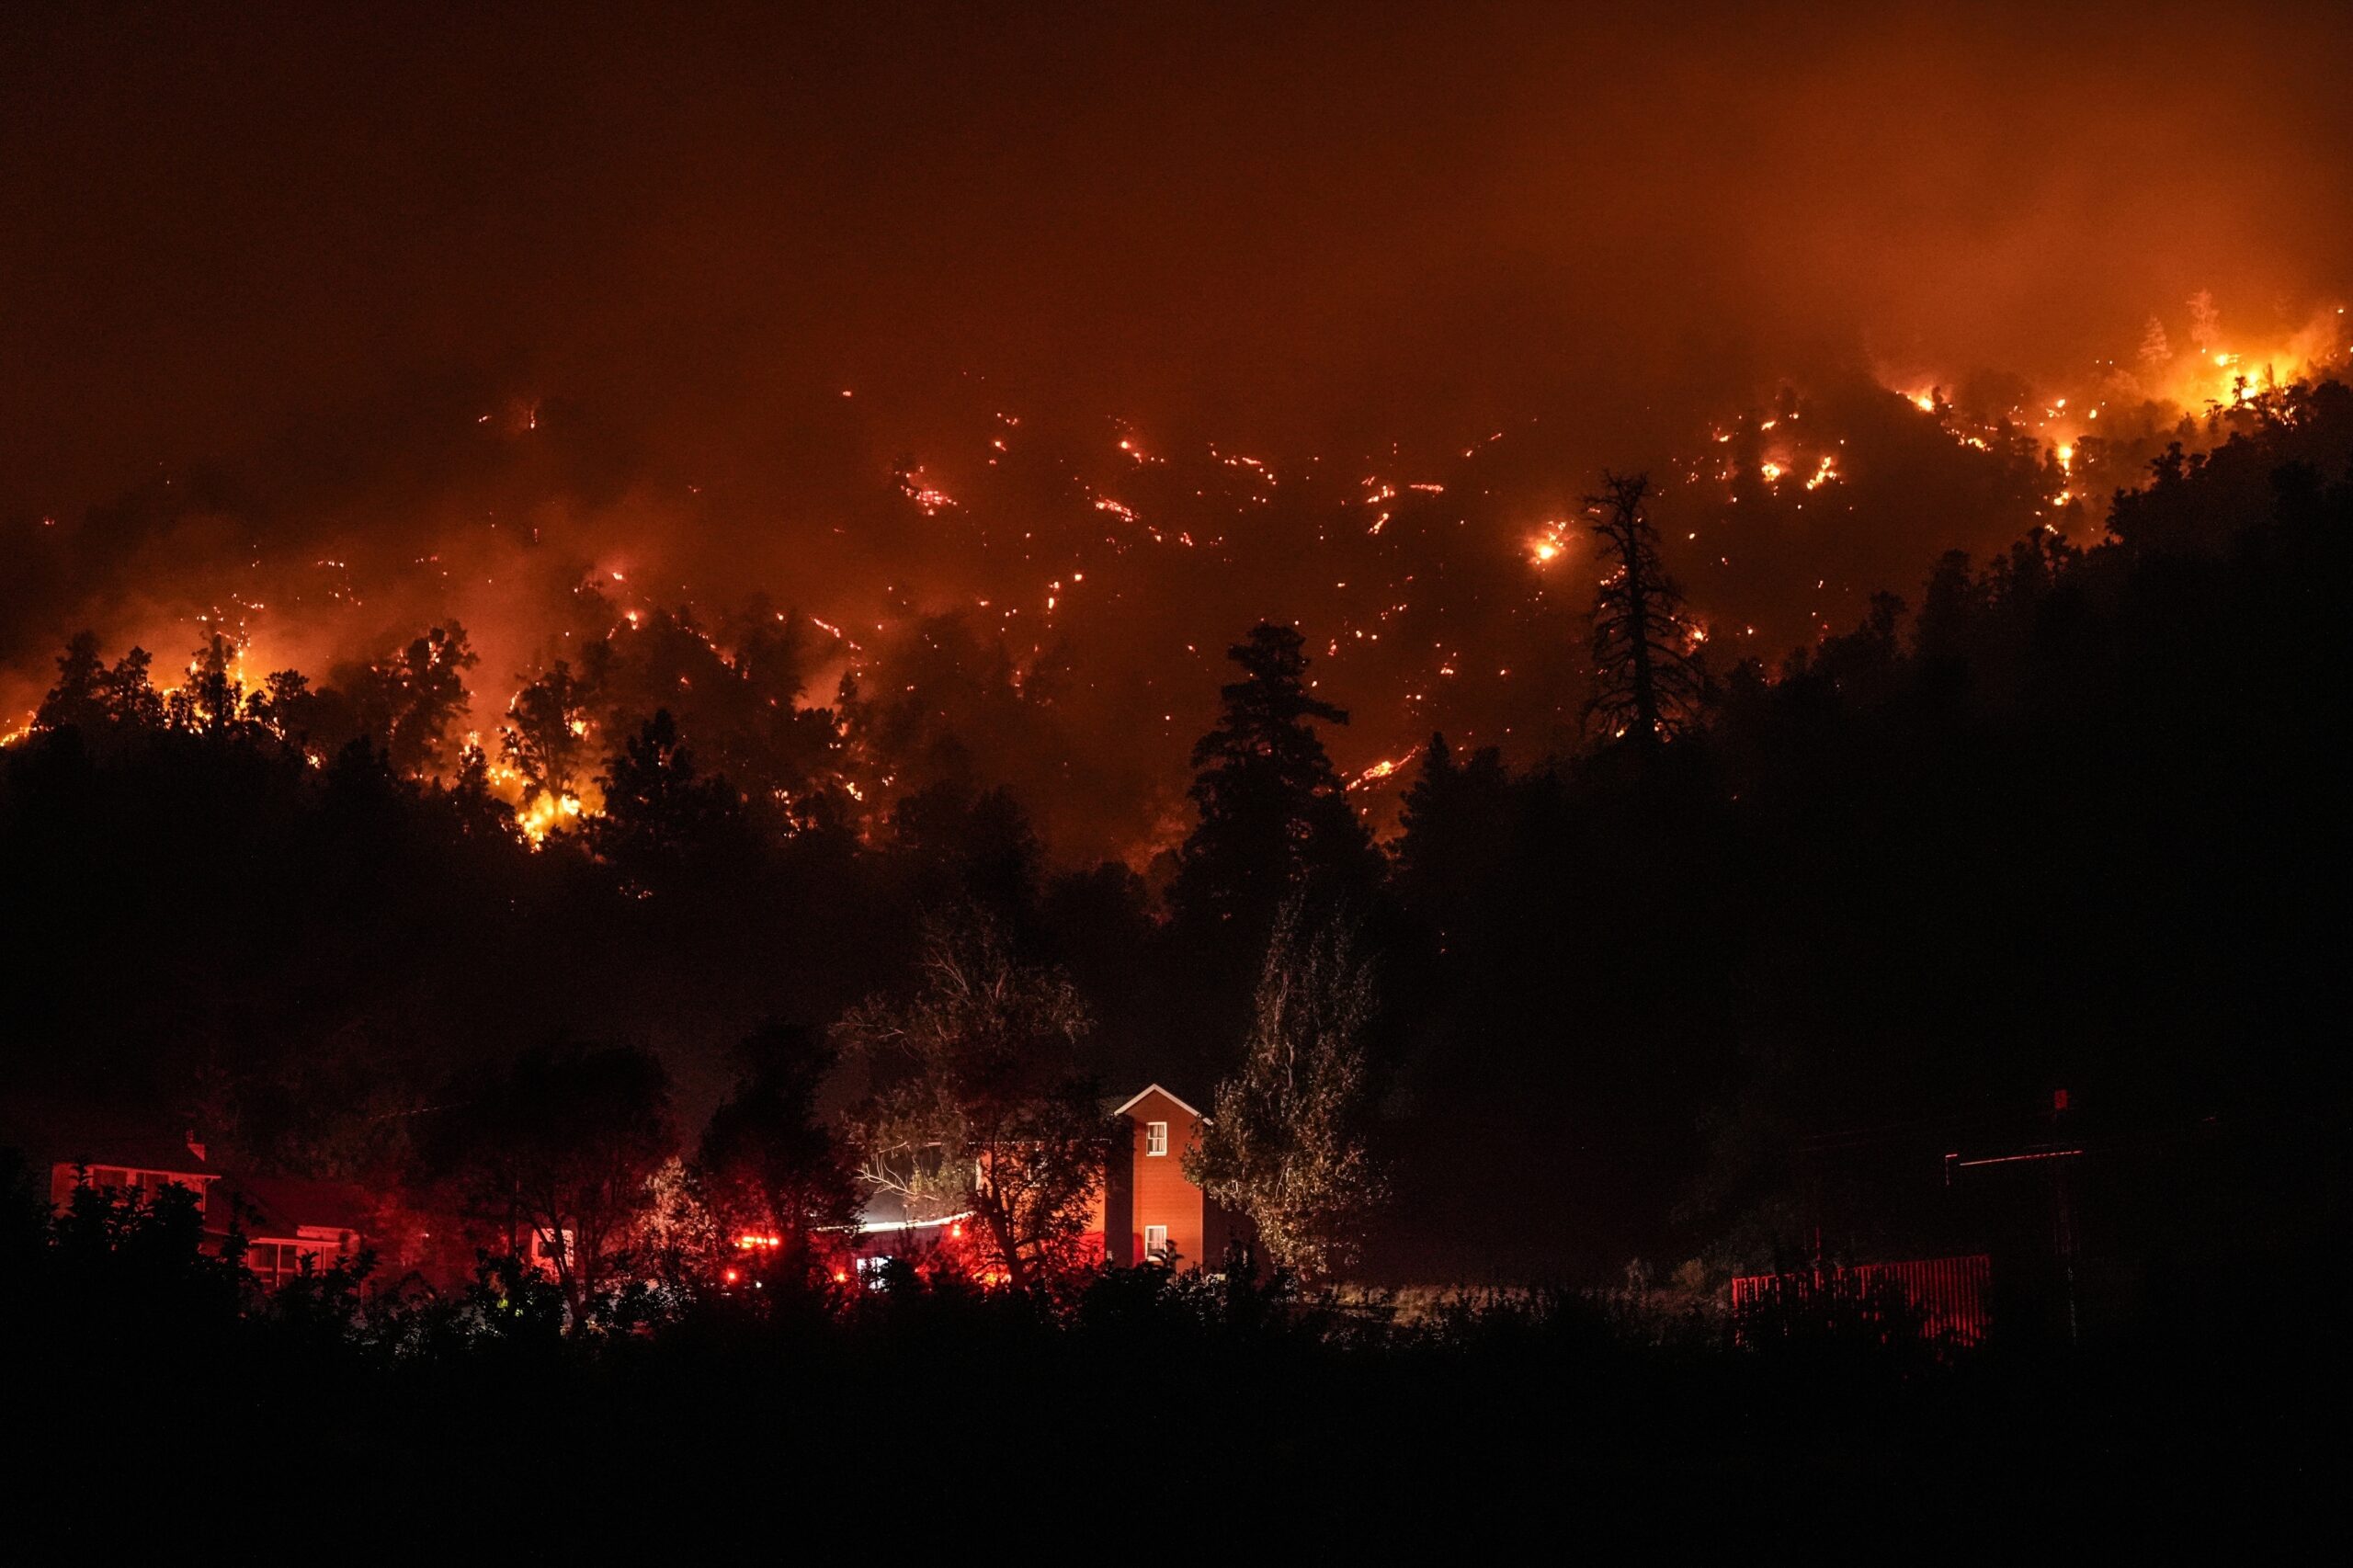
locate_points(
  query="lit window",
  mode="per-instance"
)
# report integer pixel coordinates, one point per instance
(144, 1187)
(274, 1263)
(1155, 1138)
(1155, 1241)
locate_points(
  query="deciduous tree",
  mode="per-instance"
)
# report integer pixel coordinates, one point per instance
(427, 684)
(546, 736)
(1286, 1140)
(561, 1148)
(769, 1164)
(985, 1102)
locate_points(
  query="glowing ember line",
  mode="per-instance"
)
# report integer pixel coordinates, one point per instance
(1386, 767)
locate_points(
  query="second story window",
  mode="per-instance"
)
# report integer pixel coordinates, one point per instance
(1155, 1138)
(146, 1185)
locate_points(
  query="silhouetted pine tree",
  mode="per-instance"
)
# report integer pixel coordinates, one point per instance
(1276, 824)
(660, 813)
(1457, 832)
(1647, 681)
(1275, 817)
(79, 697)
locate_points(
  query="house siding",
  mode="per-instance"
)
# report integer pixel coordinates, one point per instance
(1157, 1192)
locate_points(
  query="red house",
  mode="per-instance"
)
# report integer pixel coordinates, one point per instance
(1152, 1212)
(1147, 1211)
(136, 1166)
(289, 1222)
(284, 1221)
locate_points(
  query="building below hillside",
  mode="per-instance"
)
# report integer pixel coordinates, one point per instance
(286, 1221)
(1147, 1211)
(1151, 1211)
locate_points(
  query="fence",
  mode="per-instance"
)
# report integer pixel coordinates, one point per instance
(1947, 1294)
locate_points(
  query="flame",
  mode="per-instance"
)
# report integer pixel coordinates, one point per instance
(1550, 542)
(1386, 767)
(929, 498)
(2215, 375)
(548, 814)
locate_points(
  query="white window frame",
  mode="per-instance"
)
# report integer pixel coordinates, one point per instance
(1155, 1138)
(284, 1260)
(146, 1185)
(1153, 1248)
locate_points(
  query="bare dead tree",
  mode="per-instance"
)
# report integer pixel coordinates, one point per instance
(988, 1106)
(1647, 678)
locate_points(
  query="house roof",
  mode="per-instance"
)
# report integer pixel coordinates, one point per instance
(1129, 1104)
(279, 1206)
(169, 1155)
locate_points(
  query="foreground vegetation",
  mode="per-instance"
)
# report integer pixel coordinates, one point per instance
(930, 1412)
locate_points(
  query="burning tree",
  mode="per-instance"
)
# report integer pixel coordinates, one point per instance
(405, 704)
(423, 688)
(984, 1104)
(1285, 1142)
(1647, 680)
(213, 698)
(546, 738)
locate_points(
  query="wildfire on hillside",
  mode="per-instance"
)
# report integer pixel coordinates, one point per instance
(1062, 594)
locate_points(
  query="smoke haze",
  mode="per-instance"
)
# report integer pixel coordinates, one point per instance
(334, 325)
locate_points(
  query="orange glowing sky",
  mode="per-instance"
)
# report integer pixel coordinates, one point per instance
(1108, 330)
